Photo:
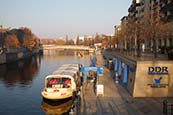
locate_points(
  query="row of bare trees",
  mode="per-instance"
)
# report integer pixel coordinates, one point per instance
(134, 33)
(89, 40)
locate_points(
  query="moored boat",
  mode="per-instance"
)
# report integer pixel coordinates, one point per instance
(63, 83)
(57, 108)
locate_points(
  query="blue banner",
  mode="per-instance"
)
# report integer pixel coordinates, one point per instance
(88, 68)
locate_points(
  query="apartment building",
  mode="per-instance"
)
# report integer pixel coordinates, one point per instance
(166, 10)
(157, 13)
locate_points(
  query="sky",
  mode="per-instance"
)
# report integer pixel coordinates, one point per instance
(58, 18)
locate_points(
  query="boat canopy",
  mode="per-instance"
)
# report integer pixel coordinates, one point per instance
(59, 76)
(61, 79)
(62, 82)
(66, 71)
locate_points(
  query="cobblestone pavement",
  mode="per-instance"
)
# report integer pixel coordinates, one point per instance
(116, 99)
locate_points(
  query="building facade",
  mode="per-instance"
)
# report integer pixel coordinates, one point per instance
(153, 24)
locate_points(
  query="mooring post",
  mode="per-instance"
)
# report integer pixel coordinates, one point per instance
(165, 107)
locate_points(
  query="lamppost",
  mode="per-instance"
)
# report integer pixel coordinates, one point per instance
(117, 29)
(1, 33)
(138, 40)
(115, 44)
(1, 40)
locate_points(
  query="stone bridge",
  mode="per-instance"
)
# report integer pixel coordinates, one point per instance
(70, 47)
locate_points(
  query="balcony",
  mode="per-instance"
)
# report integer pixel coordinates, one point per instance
(155, 4)
(139, 4)
(166, 16)
(163, 1)
(170, 6)
(170, 17)
(163, 9)
(162, 4)
(132, 17)
(166, 4)
(163, 18)
(132, 8)
(167, 8)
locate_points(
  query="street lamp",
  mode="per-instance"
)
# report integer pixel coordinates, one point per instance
(1, 39)
(117, 29)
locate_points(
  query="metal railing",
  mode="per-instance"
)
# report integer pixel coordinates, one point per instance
(167, 108)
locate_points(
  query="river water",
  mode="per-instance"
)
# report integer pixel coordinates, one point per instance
(21, 83)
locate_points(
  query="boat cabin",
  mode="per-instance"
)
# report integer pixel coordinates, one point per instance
(62, 83)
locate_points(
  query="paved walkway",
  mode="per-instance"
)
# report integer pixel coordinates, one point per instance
(116, 99)
(145, 56)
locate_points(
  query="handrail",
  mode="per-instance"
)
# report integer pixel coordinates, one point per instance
(167, 108)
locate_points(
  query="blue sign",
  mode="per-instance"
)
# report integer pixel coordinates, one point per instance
(158, 80)
(157, 83)
(159, 73)
(97, 69)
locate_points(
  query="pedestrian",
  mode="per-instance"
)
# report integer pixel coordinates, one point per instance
(95, 83)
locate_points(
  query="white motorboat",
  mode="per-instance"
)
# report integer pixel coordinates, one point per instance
(63, 83)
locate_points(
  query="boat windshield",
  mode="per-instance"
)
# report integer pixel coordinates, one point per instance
(58, 82)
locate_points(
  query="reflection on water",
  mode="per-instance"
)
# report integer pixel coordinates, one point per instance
(21, 72)
(57, 107)
(65, 52)
(21, 83)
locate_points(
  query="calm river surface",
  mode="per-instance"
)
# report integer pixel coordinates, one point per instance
(21, 83)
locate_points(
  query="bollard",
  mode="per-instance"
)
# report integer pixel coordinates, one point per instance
(165, 107)
(171, 109)
(110, 64)
(116, 77)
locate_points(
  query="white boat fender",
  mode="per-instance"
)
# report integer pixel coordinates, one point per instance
(78, 93)
(71, 112)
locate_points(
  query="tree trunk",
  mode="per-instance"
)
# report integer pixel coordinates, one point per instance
(155, 48)
(138, 48)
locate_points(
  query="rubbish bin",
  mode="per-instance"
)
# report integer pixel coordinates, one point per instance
(110, 64)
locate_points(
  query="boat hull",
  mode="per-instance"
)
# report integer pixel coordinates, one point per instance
(56, 107)
(55, 96)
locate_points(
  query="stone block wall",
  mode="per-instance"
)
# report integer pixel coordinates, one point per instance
(153, 79)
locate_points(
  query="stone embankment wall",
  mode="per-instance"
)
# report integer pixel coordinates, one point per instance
(14, 56)
(152, 78)
(2, 58)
